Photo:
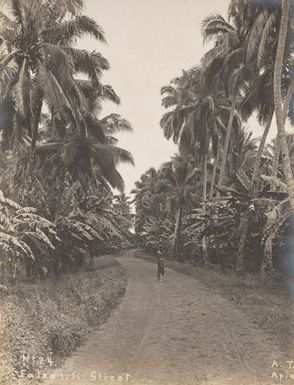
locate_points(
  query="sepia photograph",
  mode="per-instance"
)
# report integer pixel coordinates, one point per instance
(147, 192)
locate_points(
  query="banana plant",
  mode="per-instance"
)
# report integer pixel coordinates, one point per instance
(25, 237)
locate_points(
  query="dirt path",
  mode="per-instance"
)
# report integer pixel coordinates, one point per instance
(172, 332)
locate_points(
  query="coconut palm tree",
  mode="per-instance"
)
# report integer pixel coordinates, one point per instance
(239, 60)
(271, 153)
(147, 200)
(196, 122)
(264, 47)
(242, 153)
(122, 204)
(37, 62)
(255, 25)
(262, 21)
(224, 68)
(176, 180)
(282, 104)
(45, 62)
(92, 160)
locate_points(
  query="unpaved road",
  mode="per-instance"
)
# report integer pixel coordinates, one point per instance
(172, 332)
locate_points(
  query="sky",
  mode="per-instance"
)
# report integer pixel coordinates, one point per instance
(149, 43)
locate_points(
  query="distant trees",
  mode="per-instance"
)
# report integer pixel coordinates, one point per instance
(175, 179)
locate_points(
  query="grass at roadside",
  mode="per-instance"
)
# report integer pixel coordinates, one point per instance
(265, 300)
(43, 323)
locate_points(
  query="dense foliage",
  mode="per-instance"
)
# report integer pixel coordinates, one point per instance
(59, 153)
(227, 198)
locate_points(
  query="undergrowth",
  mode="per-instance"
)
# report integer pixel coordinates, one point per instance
(45, 322)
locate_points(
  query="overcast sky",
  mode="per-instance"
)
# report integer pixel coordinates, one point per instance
(149, 43)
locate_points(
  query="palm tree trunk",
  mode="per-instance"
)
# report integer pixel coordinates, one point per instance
(226, 145)
(204, 194)
(267, 260)
(36, 120)
(176, 248)
(204, 244)
(281, 112)
(266, 264)
(287, 165)
(215, 164)
(280, 108)
(276, 161)
(257, 163)
(244, 227)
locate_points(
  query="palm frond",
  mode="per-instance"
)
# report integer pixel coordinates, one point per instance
(95, 128)
(7, 24)
(16, 9)
(172, 122)
(213, 25)
(75, 28)
(255, 35)
(114, 123)
(264, 41)
(21, 91)
(62, 6)
(7, 78)
(122, 156)
(89, 63)
(108, 93)
(59, 61)
(54, 94)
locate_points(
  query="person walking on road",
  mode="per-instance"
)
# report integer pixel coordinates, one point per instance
(160, 264)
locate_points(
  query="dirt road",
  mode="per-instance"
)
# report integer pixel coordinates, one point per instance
(173, 332)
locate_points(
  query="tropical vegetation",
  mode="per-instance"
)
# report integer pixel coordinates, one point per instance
(59, 154)
(227, 198)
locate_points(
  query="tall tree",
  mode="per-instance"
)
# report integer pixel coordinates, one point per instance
(175, 178)
(282, 104)
(38, 63)
(146, 198)
(197, 121)
(224, 68)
